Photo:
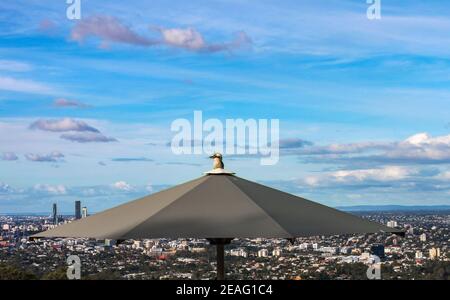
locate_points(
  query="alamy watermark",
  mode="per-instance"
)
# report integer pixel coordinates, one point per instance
(374, 9)
(74, 268)
(234, 137)
(73, 11)
(374, 271)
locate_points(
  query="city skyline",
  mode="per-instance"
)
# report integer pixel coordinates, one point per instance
(85, 112)
(422, 254)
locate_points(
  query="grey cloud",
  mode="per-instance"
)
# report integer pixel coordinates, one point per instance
(78, 131)
(176, 163)
(62, 125)
(294, 143)
(9, 156)
(108, 29)
(87, 137)
(66, 103)
(14, 66)
(346, 148)
(51, 157)
(187, 143)
(111, 30)
(132, 159)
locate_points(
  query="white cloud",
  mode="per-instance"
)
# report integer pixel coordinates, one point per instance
(14, 66)
(385, 174)
(312, 180)
(51, 189)
(418, 148)
(422, 146)
(123, 186)
(24, 86)
(5, 188)
(444, 176)
(183, 37)
(191, 39)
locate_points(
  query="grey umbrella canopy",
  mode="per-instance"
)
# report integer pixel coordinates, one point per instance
(217, 205)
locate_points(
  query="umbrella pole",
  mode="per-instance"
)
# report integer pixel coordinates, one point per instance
(220, 255)
(220, 261)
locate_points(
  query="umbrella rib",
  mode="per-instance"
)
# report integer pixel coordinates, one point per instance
(119, 233)
(163, 208)
(386, 229)
(262, 209)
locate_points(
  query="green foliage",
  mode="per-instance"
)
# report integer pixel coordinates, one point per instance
(58, 274)
(9, 272)
(435, 270)
(105, 275)
(354, 271)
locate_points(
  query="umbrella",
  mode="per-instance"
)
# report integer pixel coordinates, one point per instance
(218, 206)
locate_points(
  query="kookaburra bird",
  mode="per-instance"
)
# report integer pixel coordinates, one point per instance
(218, 163)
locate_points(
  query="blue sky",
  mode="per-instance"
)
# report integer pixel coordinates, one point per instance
(86, 106)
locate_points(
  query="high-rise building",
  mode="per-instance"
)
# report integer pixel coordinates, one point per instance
(423, 237)
(84, 212)
(346, 250)
(55, 214)
(435, 253)
(331, 250)
(378, 250)
(276, 252)
(263, 253)
(149, 243)
(238, 252)
(137, 245)
(304, 246)
(109, 243)
(419, 254)
(77, 209)
(392, 224)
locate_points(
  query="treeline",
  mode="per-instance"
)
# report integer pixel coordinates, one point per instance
(11, 272)
(431, 270)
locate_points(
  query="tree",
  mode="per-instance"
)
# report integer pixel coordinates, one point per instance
(105, 275)
(58, 274)
(9, 272)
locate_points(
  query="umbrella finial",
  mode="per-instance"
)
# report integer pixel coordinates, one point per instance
(218, 165)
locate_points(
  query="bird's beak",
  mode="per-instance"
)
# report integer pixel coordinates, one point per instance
(212, 156)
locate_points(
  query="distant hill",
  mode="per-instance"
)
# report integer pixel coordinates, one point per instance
(395, 208)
